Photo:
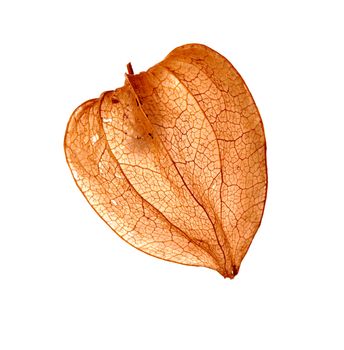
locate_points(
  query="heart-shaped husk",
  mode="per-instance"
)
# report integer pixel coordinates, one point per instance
(175, 160)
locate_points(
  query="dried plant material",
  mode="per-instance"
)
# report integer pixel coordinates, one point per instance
(174, 161)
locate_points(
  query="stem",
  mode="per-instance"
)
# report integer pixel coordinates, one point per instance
(130, 68)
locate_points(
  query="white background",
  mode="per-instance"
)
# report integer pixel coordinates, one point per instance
(68, 282)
